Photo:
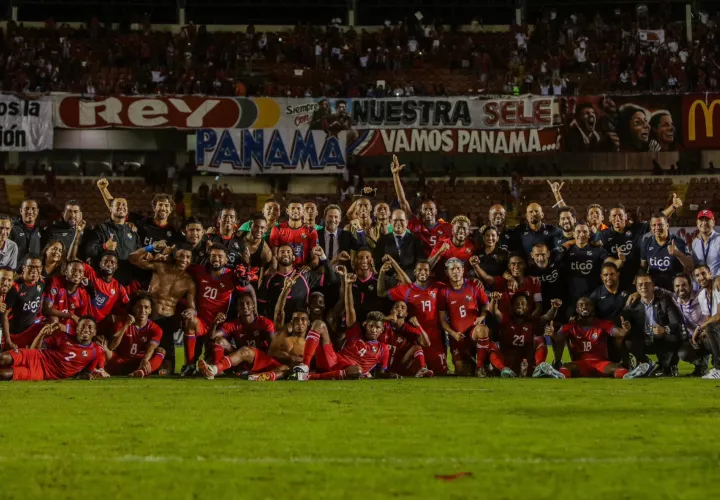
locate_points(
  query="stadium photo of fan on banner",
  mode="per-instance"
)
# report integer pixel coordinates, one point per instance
(611, 123)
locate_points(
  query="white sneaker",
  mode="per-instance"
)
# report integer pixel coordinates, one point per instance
(301, 369)
(424, 373)
(208, 371)
(640, 370)
(546, 370)
(713, 374)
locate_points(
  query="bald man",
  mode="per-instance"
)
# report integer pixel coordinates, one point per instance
(534, 231)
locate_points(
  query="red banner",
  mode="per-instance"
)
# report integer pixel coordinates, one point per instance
(701, 120)
(455, 141)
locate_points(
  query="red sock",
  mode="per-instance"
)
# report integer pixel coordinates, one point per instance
(541, 350)
(223, 364)
(218, 352)
(336, 375)
(497, 361)
(481, 352)
(189, 349)
(565, 372)
(621, 372)
(311, 343)
(156, 362)
(419, 360)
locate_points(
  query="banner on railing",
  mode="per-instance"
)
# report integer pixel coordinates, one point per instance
(701, 118)
(330, 115)
(456, 141)
(269, 151)
(25, 123)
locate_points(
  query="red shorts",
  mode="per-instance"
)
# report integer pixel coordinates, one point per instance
(591, 367)
(327, 360)
(25, 339)
(122, 366)
(28, 364)
(399, 364)
(436, 358)
(201, 328)
(263, 362)
(462, 350)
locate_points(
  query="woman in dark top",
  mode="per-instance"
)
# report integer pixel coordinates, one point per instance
(493, 259)
(53, 259)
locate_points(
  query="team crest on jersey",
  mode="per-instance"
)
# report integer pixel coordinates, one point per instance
(144, 339)
(39, 288)
(467, 251)
(589, 252)
(129, 236)
(256, 333)
(453, 302)
(468, 297)
(303, 235)
(169, 234)
(84, 354)
(112, 292)
(628, 233)
(371, 287)
(433, 293)
(545, 233)
(54, 291)
(525, 328)
(594, 336)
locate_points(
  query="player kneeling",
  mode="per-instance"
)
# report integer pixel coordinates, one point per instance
(252, 335)
(361, 354)
(521, 348)
(55, 355)
(405, 338)
(587, 338)
(134, 348)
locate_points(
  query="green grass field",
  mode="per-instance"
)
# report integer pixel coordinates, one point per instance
(228, 438)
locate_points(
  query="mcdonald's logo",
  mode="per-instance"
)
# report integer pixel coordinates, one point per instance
(707, 114)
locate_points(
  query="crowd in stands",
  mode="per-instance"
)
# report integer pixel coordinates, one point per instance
(559, 55)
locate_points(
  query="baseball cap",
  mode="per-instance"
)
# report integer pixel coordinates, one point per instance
(705, 213)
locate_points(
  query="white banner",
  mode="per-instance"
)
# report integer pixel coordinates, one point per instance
(270, 151)
(26, 124)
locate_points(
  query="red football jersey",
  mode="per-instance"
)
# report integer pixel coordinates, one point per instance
(430, 236)
(464, 305)
(136, 341)
(588, 343)
(399, 340)
(257, 334)
(422, 303)
(463, 253)
(367, 354)
(302, 240)
(63, 357)
(514, 336)
(77, 303)
(213, 294)
(531, 286)
(106, 295)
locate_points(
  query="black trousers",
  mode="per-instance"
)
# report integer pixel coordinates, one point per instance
(665, 347)
(710, 344)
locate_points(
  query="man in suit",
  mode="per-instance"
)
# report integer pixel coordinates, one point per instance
(656, 328)
(402, 245)
(332, 238)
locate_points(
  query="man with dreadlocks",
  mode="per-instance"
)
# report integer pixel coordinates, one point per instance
(459, 246)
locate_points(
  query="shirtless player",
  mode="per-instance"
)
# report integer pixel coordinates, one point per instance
(169, 285)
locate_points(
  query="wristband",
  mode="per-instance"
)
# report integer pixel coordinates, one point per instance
(150, 248)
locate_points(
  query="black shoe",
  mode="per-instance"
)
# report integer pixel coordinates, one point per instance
(699, 371)
(188, 371)
(672, 371)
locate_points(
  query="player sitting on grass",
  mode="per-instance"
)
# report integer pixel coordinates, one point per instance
(521, 348)
(587, 338)
(251, 337)
(55, 355)
(134, 348)
(405, 338)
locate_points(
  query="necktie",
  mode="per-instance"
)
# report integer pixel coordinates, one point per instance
(398, 240)
(331, 247)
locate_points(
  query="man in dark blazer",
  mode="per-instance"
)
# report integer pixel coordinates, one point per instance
(401, 245)
(656, 328)
(332, 238)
